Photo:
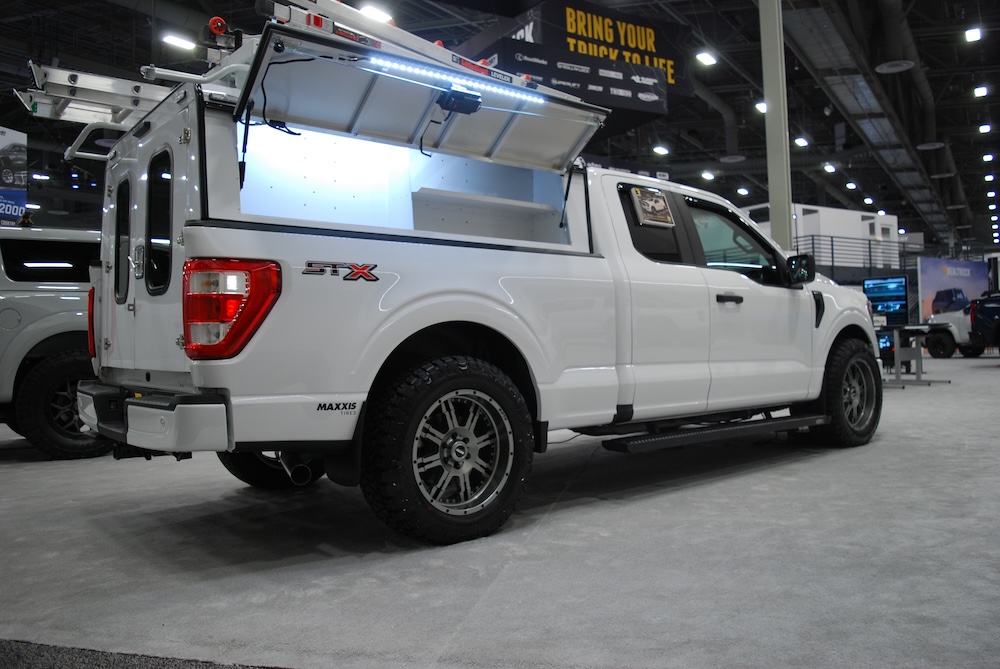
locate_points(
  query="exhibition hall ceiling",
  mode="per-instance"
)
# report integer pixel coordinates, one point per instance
(882, 93)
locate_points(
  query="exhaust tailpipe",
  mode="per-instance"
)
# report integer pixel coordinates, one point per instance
(298, 471)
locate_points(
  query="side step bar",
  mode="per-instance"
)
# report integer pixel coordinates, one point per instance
(685, 436)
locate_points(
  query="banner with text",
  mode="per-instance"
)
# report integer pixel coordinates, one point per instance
(588, 29)
(948, 285)
(13, 175)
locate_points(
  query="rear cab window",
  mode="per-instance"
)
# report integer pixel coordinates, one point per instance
(43, 261)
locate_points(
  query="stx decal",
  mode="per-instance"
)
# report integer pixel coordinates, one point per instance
(351, 271)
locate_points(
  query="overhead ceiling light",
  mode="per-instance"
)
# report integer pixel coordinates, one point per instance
(660, 150)
(706, 58)
(987, 157)
(955, 207)
(980, 91)
(801, 141)
(179, 42)
(985, 128)
(761, 107)
(991, 193)
(868, 200)
(993, 218)
(735, 158)
(829, 168)
(894, 66)
(850, 185)
(930, 145)
(376, 13)
(901, 231)
(988, 177)
(992, 207)
(32, 206)
(973, 35)
(881, 212)
(40, 177)
(942, 175)
(742, 191)
(707, 176)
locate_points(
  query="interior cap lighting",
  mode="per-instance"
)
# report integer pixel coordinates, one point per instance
(973, 35)
(376, 13)
(179, 42)
(706, 58)
(454, 78)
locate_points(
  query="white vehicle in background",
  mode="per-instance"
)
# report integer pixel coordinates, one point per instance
(348, 252)
(943, 344)
(44, 279)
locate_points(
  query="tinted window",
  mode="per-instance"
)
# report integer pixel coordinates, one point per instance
(730, 245)
(158, 216)
(655, 241)
(123, 239)
(36, 260)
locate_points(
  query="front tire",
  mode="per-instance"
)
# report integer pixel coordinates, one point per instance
(448, 448)
(852, 395)
(46, 412)
(941, 345)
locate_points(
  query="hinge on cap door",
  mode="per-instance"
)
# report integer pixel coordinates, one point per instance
(185, 137)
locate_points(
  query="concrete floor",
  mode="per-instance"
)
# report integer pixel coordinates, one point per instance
(770, 554)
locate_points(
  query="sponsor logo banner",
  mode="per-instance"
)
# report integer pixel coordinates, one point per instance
(14, 182)
(617, 85)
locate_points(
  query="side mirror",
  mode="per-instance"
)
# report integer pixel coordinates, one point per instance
(801, 269)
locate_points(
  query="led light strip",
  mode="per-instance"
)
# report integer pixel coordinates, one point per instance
(443, 76)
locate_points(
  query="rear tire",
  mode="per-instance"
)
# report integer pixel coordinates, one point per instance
(265, 471)
(46, 412)
(941, 345)
(448, 448)
(971, 351)
(852, 395)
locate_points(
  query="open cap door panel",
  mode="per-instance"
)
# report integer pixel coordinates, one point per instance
(304, 79)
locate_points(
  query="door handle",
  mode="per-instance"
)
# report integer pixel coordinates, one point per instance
(729, 297)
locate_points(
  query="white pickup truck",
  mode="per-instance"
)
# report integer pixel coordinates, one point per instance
(352, 253)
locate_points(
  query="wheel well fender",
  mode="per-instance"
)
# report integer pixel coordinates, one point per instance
(57, 343)
(461, 338)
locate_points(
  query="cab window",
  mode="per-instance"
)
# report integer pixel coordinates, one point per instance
(650, 222)
(158, 216)
(729, 244)
(123, 239)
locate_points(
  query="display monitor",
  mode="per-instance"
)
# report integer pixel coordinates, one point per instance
(888, 298)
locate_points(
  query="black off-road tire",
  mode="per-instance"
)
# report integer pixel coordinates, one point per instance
(852, 395)
(447, 449)
(941, 345)
(971, 351)
(46, 413)
(264, 470)
(11, 421)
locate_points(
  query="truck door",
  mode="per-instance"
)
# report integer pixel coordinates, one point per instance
(761, 329)
(146, 211)
(667, 316)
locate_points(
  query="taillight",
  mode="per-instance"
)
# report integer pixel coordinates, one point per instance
(225, 301)
(91, 344)
(972, 312)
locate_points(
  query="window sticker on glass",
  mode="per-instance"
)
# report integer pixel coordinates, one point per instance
(652, 207)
